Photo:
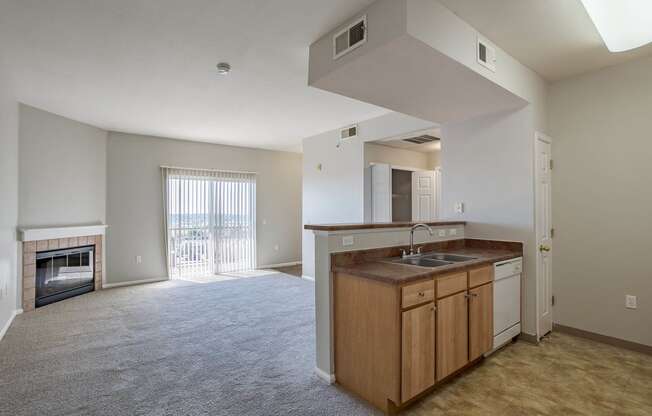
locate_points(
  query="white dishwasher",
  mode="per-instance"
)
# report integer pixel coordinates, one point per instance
(507, 300)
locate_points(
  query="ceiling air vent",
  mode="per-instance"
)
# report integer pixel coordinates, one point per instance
(486, 55)
(425, 138)
(351, 37)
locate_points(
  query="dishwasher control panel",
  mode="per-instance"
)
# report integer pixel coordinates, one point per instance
(508, 268)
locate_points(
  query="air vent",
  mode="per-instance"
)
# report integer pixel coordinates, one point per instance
(486, 55)
(349, 132)
(426, 138)
(351, 37)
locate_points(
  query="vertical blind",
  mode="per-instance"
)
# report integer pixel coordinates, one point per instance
(210, 221)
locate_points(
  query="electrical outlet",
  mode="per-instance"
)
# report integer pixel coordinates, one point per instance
(441, 233)
(139, 259)
(347, 241)
(452, 231)
(459, 207)
(630, 302)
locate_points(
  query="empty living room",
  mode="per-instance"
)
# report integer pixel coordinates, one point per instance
(325, 207)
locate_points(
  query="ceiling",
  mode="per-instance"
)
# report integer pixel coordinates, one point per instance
(555, 38)
(148, 66)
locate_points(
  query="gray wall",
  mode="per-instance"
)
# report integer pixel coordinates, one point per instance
(62, 170)
(135, 206)
(602, 200)
(8, 199)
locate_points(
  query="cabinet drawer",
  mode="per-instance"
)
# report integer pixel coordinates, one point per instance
(451, 284)
(417, 293)
(481, 276)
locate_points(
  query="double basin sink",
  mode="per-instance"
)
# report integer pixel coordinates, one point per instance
(433, 259)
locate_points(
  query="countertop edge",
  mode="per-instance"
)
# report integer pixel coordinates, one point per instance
(342, 227)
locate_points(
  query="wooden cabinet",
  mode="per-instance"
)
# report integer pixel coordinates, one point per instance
(452, 334)
(481, 320)
(417, 293)
(418, 350)
(451, 284)
(480, 276)
(394, 342)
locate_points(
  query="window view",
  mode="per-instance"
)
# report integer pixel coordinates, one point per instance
(211, 221)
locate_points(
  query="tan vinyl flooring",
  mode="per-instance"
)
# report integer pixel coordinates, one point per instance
(564, 375)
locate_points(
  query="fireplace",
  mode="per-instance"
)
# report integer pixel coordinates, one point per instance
(64, 273)
(69, 261)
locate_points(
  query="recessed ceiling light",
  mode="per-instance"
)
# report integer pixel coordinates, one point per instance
(623, 24)
(223, 68)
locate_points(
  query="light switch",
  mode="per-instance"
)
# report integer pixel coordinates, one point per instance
(347, 241)
(630, 302)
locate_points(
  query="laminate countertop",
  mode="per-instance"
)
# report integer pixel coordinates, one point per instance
(396, 273)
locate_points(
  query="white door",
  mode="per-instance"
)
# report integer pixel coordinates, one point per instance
(423, 196)
(437, 193)
(381, 193)
(544, 251)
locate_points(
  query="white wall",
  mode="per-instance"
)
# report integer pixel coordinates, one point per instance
(332, 193)
(135, 202)
(376, 153)
(602, 203)
(8, 199)
(336, 193)
(487, 164)
(62, 170)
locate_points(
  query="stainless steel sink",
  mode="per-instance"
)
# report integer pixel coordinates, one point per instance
(447, 257)
(433, 259)
(422, 261)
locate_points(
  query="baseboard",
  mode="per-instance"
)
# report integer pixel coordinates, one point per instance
(4, 329)
(605, 339)
(309, 278)
(133, 282)
(329, 378)
(274, 266)
(531, 338)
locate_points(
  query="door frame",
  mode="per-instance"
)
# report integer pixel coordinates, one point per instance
(540, 281)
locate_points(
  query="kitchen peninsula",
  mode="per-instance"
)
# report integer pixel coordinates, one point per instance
(403, 318)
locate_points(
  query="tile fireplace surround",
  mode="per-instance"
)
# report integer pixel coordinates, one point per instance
(45, 239)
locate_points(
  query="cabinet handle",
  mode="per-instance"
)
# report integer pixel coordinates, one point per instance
(421, 294)
(434, 308)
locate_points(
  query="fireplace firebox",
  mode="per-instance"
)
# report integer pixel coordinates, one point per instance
(61, 274)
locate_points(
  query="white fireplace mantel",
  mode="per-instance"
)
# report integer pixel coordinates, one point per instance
(50, 233)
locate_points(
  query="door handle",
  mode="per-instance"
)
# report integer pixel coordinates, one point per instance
(543, 248)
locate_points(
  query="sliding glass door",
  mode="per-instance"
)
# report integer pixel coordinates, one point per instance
(210, 221)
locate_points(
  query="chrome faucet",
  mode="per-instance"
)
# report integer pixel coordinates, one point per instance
(414, 228)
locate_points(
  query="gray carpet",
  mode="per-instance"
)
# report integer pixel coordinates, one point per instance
(237, 347)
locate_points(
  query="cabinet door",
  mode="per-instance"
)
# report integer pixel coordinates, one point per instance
(481, 320)
(452, 334)
(418, 356)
